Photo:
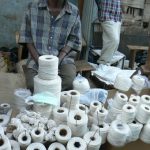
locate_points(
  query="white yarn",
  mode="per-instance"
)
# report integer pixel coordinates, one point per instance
(145, 136)
(51, 124)
(4, 108)
(76, 143)
(18, 131)
(37, 134)
(145, 99)
(48, 67)
(60, 115)
(93, 107)
(50, 136)
(100, 115)
(90, 120)
(25, 118)
(77, 122)
(102, 130)
(81, 84)
(1, 130)
(135, 128)
(82, 108)
(128, 113)
(14, 145)
(4, 143)
(73, 99)
(63, 98)
(35, 146)
(122, 83)
(93, 140)
(143, 113)
(24, 139)
(63, 134)
(134, 100)
(4, 120)
(120, 100)
(118, 133)
(56, 146)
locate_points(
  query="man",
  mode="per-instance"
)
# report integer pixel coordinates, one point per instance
(52, 27)
(110, 16)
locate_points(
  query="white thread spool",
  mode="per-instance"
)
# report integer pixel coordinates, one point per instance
(52, 86)
(145, 99)
(128, 113)
(4, 120)
(102, 129)
(77, 122)
(120, 100)
(36, 146)
(4, 143)
(64, 96)
(48, 67)
(60, 115)
(51, 124)
(25, 118)
(145, 136)
(1, 130)
(14, 145)
(63, 134)
(93, 107)
(118, 133)
(143, 113)
(50, 137)
(90, 120)
(24, 139)
(56, 146)
(73, 99)
(4, 108)
(93, 140)
(100, 115)
(122, 83)
(134, 100)
(37, 134)
(76, 143)
(81, 84)
(135, 128)
(18, 131)
(15, 121)
(82, 108)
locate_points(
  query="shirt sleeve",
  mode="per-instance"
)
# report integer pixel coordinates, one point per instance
(25, 30)
(75, 38)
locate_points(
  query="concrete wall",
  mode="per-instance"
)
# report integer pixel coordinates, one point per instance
(11, 12)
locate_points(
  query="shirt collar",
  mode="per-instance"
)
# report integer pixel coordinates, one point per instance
(67, 7)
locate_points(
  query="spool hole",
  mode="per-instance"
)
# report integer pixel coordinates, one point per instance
(36, 149)
(82, 108)
(95, 104)
(129, 107)
(60, 111)
(5, 105)
(101, 111)
(37, 132)
(77, 144)
(134, 122)
(101, 126)
(1, 119)
(73, 93)
(77, 117)
(119, 126)
(24, 138)
(63, 132)
(147, 98)
(56, 149)
(134, 100)
(92, 138)
(1, 142)
(146, 108)
(48, 58)
(122, 96)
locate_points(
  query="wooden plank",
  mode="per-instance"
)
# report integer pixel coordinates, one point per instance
(135, 47)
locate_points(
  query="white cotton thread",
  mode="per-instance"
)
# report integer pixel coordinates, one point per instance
(35, 146)
(143, 113)
(77, 122)
(118, 133)
(128, 113)
(63, 134)
(120, 100)
(135, 128)
(82, 108)
(5, 143)
(56, 146)
(122, 83)
(24, 139)
(145, 136)
(50, 136)
(93, 107)
(73, 99)
(51, 124)
(14, 145)
(103, 130)
(37, 134)
(145, 99)
(76, 143)
(4, 108)
(60, 115)
(93, 140)
(100, 115)
(48, 67)
(4, 120)
(63, 97)
(134, 100)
